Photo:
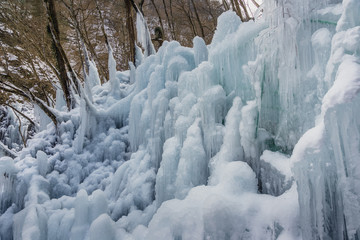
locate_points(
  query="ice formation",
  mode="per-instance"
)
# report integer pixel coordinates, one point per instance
(256, 136)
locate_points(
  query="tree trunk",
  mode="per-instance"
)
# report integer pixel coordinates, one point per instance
(169, 22)
(131, 30)
(255, 3)
(235, 7)
(172, 22)
(243, 5)
(158, 13)
(211, 13)
(141, 3)
(198, 19)
(55, 36)
(225, 4)
(189, 17)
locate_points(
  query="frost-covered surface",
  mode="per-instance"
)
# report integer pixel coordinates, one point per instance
(326, 158)
(275, 173)
(256, 136)
(14, 129)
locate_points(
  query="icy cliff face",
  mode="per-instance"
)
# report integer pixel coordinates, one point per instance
(255, 136)
(326, 158)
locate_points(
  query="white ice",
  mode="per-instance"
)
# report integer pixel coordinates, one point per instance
(255, 136)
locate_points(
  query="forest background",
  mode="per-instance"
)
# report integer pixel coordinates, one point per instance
(45, 44)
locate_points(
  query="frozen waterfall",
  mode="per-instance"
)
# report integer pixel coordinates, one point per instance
(255, 136)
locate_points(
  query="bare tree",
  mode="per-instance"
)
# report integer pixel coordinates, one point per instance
(47, 56)
(198, 19)
(62, 62)
(242, 9)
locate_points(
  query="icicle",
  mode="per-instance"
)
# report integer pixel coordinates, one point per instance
(132, 73)
(139, 56)
(7, 175)
(41, 118)
(114, 81)
(192, 170)
(42, 161)
(80, 134)
(200, 50)
(81, 225)
(231, 149)
(94, 79)
(60, 103)
(143, 35)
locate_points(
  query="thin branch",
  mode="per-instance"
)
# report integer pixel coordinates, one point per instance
(158, 13)
(22, 114)
(55, 117)
(102, 25)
